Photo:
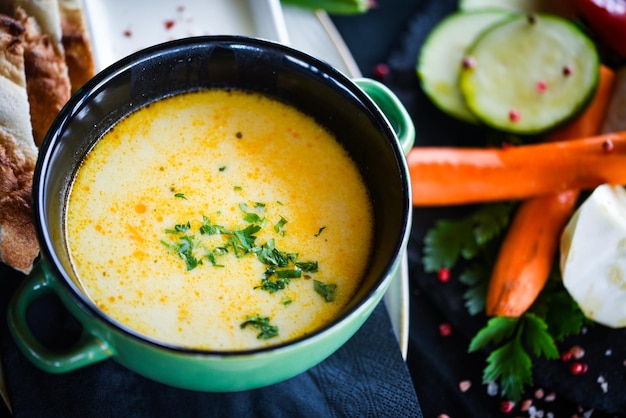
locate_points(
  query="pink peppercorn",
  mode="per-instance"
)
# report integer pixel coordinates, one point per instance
(468, 62)
(443, 275)
(567, 70)
(381, 71)
(608, 145)
(514, 115)
(506, 406)
(445, 329)
(578, 368)
(541, 86)
(566, 356)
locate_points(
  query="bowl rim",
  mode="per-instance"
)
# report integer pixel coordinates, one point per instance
(86, 92)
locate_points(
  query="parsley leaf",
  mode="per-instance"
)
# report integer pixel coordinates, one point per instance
(510, 342)
(281, 266)
(510, 362)
(261, 323)
(307, 266)
(272, 286)
(450, 240)
(497, 329)
(537, 337)
(326, 290)
(476, 277)
(512, 366)
(279, 227)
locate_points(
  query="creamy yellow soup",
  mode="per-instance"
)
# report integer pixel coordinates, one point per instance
(219, 219)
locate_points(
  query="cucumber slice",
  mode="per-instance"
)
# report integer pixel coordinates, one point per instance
(440, 60)
(530, 74)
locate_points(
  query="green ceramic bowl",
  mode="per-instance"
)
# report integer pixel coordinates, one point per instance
(377, 141)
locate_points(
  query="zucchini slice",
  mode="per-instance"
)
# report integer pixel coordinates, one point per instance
(440, 60)
(530, 74)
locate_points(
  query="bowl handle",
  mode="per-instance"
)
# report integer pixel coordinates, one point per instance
(87, 350)
(392, 108)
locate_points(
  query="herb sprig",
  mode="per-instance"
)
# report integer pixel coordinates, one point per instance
(511, 343)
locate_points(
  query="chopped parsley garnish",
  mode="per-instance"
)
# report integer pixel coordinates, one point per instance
(179, 228)
(510, 342)
(326, 290)
(272, 286)
(184, 247)
(307, 266)
(222, 168)
(207, 228)
(261, 323)
(251, 216)
(279, 227)
(180, 195)
(281, 266)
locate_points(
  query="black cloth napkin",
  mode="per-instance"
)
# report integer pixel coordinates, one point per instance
(367, 377)
(447, 379)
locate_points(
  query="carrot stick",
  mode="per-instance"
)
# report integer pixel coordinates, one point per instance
(591, 119)
(525, 258)
(449, 176)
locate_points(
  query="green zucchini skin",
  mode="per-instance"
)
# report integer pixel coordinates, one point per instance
(440, 59)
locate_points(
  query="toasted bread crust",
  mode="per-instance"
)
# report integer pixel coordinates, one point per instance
(75, 39)
(47, 80)
(18, 154)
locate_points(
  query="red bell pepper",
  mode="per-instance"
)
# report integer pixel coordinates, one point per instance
(607, 18)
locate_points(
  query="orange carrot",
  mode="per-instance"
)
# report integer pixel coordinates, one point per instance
(525, 258)
(524, 262)
(448, 176)
(590, 120)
